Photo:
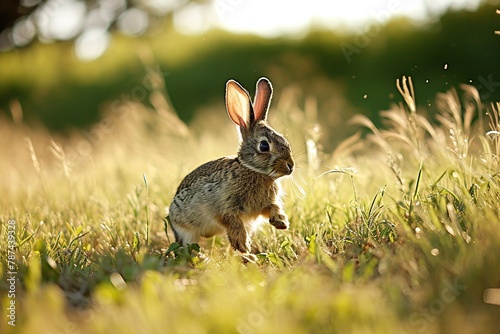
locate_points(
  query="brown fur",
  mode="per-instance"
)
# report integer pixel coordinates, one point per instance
(231, 193)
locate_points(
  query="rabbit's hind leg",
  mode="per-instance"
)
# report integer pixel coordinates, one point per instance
(236, 232)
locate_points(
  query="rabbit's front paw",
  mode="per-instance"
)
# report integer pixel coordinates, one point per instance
(279, 221)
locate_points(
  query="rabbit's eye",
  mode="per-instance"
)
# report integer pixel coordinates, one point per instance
(264, 146)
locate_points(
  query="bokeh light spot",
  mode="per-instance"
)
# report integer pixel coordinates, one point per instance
(92, 43)
(133, 21)
(193, 19)
(61, 20)
(23, 31)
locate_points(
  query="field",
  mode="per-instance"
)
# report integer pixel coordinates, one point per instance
(395, 231)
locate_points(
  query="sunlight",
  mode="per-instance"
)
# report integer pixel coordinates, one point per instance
(133, 21)
(23, 32)
(61, 20)
(271, 19)
(92, 44)
(192, 19)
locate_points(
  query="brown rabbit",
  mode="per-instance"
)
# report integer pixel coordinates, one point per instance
(231, 193)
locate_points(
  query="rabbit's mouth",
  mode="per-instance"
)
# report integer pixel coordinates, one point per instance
(283, 169)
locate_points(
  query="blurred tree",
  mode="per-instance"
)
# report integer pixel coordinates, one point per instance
(10, 10)
(86, 21)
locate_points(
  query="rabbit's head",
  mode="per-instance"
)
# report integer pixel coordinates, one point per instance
(262, 149)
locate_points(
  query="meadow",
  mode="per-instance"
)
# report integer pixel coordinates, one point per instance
(394, 231)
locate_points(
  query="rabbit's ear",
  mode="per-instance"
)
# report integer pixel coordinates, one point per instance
(238, 105)
(263, 95)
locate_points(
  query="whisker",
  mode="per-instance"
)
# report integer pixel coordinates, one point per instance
(295, 180)
(300, 153)
(297, 188)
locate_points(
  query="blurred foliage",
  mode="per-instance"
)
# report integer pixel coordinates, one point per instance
(30, 16)
(346, 74)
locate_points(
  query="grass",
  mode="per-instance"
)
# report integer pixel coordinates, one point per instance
(397, 232)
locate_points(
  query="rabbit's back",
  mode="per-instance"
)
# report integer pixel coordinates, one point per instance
(217, 189)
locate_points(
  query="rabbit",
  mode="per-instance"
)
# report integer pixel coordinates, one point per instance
(230, 194)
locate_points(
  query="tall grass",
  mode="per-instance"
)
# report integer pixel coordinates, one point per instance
(396, 230)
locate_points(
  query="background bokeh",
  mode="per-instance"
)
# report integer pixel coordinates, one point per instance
(65, 64)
